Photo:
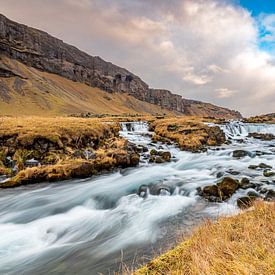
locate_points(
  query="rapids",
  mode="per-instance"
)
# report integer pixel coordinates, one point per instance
(101, 223)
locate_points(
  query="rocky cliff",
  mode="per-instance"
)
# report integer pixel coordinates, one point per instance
(40, 50)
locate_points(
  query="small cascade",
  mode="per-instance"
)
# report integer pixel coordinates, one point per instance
(237, 129)
(138, 126)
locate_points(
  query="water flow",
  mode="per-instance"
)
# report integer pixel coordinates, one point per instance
(237, 129)
(90, 226)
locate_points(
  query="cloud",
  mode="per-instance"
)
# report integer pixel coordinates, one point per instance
(202, 49)
(224, 93)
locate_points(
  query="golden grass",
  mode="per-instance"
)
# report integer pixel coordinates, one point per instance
(241, 244)
(45, 94)
(55, 129)
(189, 132)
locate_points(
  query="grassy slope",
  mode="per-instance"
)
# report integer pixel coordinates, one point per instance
(48, 94)
(242, 244)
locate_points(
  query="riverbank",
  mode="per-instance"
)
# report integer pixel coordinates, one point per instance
(35, 149)
(241, 244)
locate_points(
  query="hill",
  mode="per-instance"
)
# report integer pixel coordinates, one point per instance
(31, 60)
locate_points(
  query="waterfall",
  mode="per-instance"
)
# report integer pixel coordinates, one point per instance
(138, 126)
(237, 129)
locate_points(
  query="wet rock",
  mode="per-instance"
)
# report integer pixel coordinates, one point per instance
(164, 191)
(159, 159)
(245, 202)
(134, 159)
(143, 191)
(245, 184)
(153, 152)
(210, 190)
(166, 155)
(253, 167)
(228, 186)
(264, 166)
(270, 195)
(268, 173)
(233, 172)
(241, 153)
(253, 194)
(220, 174)
(262, 136)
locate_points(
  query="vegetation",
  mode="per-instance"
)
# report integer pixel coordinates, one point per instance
(242, 244)
(190, 133)
(35, 92)
(268, 118)
(62, 148)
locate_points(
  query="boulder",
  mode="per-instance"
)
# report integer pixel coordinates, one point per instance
(227, 187)
(241, 153)
(268, 173)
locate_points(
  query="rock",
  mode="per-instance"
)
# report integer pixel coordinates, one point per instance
(153, 152)
(220, 174)
(233, 172)
(268, 173)
(262, 136)
(264, 166)
(166, 155)
(253, 194)
(244, 181)
(227, 187)
(152, 159)
(241, 153)
(134, 159)
(32, 163)
(143, 191)
(254, 167)
(159, 159)
(245, 202)
(270, 195)
(210, 190)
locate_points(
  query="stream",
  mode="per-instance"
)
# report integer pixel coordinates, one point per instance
(101, 224)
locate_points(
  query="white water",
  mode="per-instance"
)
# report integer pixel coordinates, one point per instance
(82, 226)
(237, 129)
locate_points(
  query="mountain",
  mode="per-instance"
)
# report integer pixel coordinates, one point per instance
(40, 73)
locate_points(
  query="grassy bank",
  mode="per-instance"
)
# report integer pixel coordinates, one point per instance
(190, 133)
(64, 147)
(241, 244)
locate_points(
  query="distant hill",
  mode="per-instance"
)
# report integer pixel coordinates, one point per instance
(40, 74)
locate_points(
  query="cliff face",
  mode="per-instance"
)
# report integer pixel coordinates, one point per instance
(38, 49)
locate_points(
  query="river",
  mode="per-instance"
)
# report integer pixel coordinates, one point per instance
(101, 224)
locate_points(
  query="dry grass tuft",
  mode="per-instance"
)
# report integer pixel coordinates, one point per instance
(190, 133)
(242, 244)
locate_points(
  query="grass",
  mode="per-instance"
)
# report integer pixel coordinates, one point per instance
(241, 244)
(59, 144)
(44, 94)
(189, 132)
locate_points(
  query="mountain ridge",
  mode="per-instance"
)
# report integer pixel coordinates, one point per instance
(40, 50)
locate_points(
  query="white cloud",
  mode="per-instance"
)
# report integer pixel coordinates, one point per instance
(202, 49)
(224, 93)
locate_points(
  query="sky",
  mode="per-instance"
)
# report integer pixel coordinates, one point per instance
(218, 51)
